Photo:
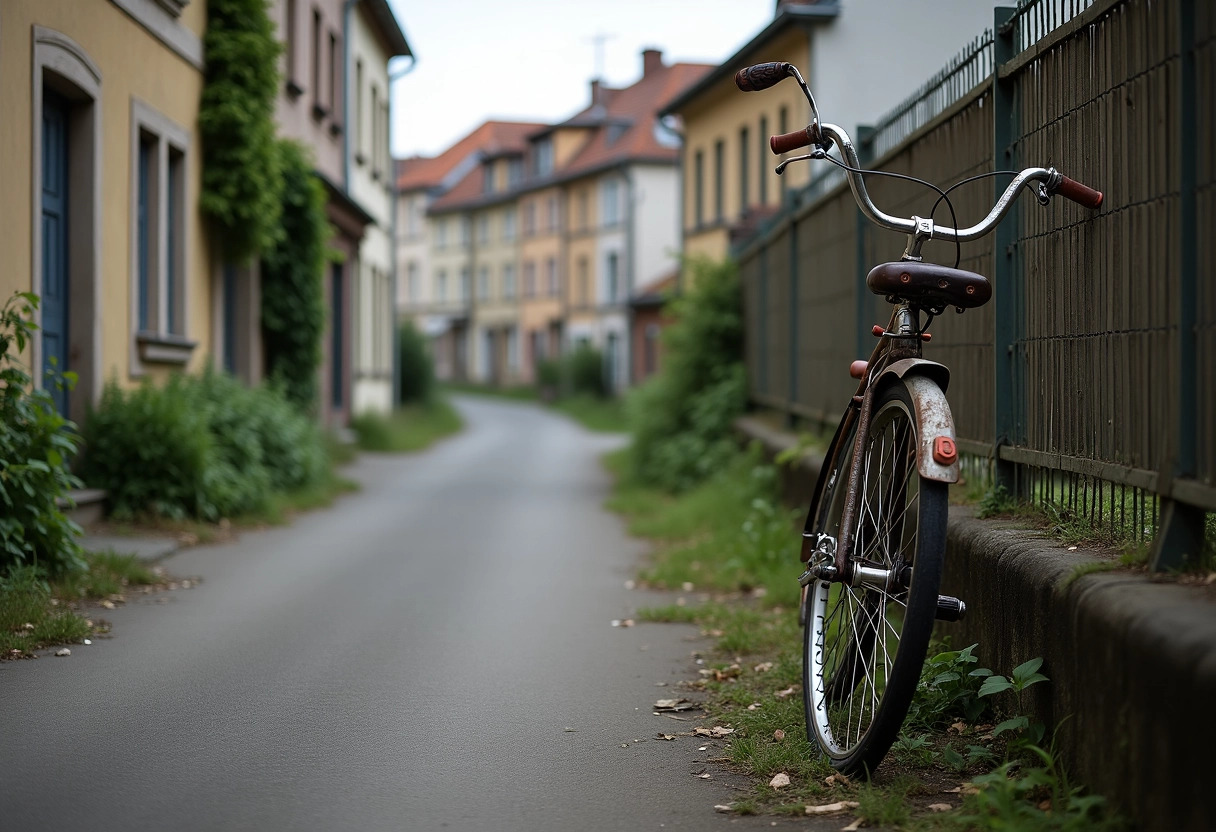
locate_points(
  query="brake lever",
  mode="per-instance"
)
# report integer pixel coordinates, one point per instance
(818, 154)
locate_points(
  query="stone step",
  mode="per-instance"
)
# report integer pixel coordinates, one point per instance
(89, 508)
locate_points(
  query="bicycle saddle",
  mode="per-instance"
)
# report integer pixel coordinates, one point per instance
(930, 285)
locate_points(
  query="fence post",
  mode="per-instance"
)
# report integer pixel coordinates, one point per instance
(865, 156)
(1182, 526)
(792, 206)
(1006, 264)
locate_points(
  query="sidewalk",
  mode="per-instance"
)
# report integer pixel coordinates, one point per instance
(1131, 657)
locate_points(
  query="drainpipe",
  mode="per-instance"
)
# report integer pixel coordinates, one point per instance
(393, 273)
(630, 270)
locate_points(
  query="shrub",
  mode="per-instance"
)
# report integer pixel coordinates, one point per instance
(681, 419)
(203, 447)
(36, 444)
(417, 371)
(584, 372)
(293, 292)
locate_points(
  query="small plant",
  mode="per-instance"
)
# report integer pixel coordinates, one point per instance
(36, 446)
(996, 502)
(949, 689)
(914, 749)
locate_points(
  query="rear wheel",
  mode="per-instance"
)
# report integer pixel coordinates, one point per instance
(865, 643)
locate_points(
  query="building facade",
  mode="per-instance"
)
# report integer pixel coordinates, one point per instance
(99, 187)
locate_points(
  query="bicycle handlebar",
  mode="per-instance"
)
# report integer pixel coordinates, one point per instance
(822, 136)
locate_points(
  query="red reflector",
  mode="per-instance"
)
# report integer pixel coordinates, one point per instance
(945, 452)
(858, 369)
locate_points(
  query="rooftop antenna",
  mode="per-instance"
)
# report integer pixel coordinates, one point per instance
(599, 39)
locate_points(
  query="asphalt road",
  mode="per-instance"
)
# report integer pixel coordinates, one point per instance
(434, 652)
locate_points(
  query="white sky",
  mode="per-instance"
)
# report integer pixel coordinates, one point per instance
(531, 60)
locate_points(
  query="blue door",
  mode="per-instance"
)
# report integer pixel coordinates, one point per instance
(55, 302)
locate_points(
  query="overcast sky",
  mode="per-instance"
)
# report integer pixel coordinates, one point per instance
(531, 60)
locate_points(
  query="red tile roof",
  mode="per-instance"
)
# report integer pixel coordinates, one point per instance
(491, 138)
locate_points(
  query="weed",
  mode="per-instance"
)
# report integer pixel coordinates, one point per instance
(28, 619)
(595, 413)
(914, 750)
(997, 501)
(885, 806)
(949, 689)
(409, 429)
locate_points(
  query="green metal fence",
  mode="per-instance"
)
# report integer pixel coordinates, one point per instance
(1089, 383)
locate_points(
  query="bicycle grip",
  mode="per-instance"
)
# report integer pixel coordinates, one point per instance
(790, 141)
(761, 76)
(1078, 193)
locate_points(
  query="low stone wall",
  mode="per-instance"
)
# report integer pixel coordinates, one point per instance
(1131, 659)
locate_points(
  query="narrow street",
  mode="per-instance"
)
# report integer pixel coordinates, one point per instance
(432, 652)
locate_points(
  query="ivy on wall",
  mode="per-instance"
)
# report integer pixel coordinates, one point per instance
(293, 297)
(242, 177)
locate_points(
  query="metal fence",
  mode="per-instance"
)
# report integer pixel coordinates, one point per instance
(1090, 381)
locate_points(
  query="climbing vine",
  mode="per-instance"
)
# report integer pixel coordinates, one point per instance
(293, 300)
(242, 178)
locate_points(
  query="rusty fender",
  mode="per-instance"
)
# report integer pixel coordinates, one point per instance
(926, 382)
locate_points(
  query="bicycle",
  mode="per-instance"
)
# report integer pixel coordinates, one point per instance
(875, 534)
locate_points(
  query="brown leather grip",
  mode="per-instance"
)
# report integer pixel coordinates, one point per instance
(1078, 193)
(761, 76)
(790, 141)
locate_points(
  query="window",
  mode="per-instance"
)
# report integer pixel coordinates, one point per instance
(441, 286)
(543, 156)
(515, 172)
(466, 285)
(529, 279)
(466, 230)
(508, 281)
(698, 202)
(335, 84)
(583, 209)
(743, 145)
(529, 219)
(483, 228)
(441, 233)
(512, 350)
(386, 160)
(552, 214)
(411, 218)
(611, 277)
(360, 133)
(584, 288)
(487, 178)
(318, 110)
(375, 148)
(158, 264)
(551, 276)
(290, 46)
(763, 180)
(508, 224)
(483, 283)
(719, 180)
(610, 202)
(411, 282)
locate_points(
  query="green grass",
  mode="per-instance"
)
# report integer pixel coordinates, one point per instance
(109, 573)
(520, 392)
(411, 428)
(602, 415)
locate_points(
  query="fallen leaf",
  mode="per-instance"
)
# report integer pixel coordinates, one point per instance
(705, 776)
(780, 781)
(702, 732)
(108, 604)
(940, 807)
(763, 667)
(719, 731)
(958, 727)
(829, 808)
(854, 826)
(624, 745)
(673, 716)
(680, 602)
(660, 684)
(785, 694)
(28, 626)
(1045, 806)
(63, 652)
(629, 584)
(712, 633)
(755, 706)
(838, 780)
(628, 622)
(724, 807)
(674, 705)
(687, 587)
(88, 641)
(779, 735)
(663, 736)
(759, 592)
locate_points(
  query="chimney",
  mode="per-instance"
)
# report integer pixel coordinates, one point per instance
(652, 60)
(595, 91)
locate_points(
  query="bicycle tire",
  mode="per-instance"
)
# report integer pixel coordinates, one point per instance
(842, 681)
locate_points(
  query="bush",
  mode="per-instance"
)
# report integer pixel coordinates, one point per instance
(204, 447)
(36, 445)
(681, 419)
(584, 372)
(417, 371)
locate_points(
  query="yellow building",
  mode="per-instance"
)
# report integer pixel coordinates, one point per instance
(99, 184)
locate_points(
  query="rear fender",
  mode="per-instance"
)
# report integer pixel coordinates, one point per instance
(936, 453)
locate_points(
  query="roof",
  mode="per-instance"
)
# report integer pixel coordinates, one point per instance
(390, 30)
(656, 292)
(620, 129)
(491, 138)
(802, 15)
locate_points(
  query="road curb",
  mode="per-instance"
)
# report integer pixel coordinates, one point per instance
(1132, 660)
(148, 549)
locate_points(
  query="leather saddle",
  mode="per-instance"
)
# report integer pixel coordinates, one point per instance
(929, 285)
